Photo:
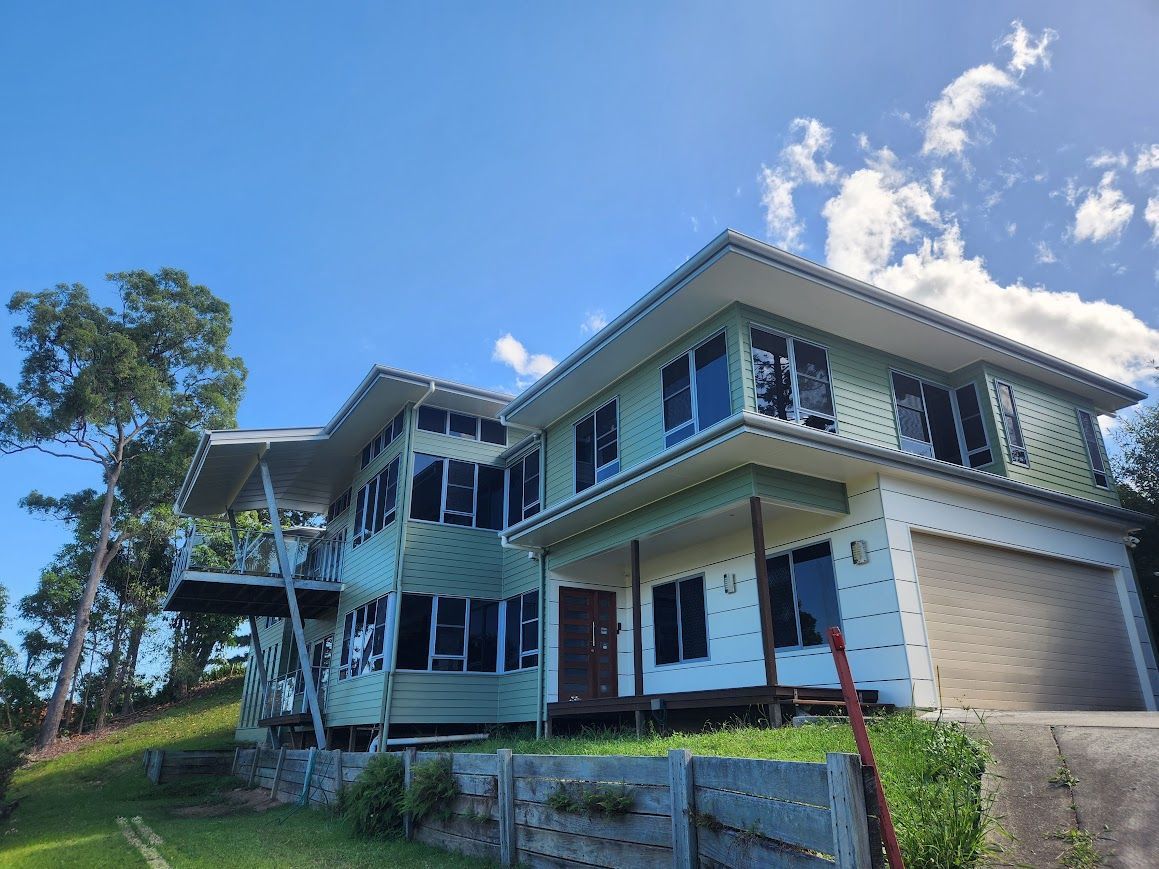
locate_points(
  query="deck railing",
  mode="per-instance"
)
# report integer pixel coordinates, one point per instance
(286, 694)
(208, 547)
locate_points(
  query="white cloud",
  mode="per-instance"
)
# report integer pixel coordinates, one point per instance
(1151, 215)
(801, 162)
(1104, 213)
(1147, 160)
(1043, 254)
(528, 367)
(1025, 50)
(1107, 160)
(593, 322)
(1011, 228)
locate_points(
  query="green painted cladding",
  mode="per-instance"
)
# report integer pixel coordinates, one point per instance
(641, 424)
(451, 698)
(520, 572)
(447, 559)
(518, 693)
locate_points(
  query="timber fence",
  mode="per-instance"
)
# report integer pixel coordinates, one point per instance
(162, 766)
(677, 811)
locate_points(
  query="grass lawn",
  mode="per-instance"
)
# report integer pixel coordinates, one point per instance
(69, 806)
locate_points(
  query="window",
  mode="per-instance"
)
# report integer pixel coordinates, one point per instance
(695, 390)
(523, 488)
(939, 423)
(376, 503)
(457, 493)
(803, 590)
(338, 506)
(678, 621)
(448, 634)
(521, 631)
(792, 380)
(597, 446)
(1010, 424)
(382, 440)
(364, 639)
(462, 425)
(1094, 454)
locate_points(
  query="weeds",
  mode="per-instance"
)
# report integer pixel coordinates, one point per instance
(604, 799)
(1063, 777)
(433, 787)
(1080, 850)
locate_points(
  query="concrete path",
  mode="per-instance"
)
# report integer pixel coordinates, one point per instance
(1115, 759)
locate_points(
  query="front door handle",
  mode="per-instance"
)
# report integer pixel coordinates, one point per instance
(593, 636)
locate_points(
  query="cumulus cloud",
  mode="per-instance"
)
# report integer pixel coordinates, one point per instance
(593, 322)
(802, 161)
(1025, 50)
(528, 367)
(1148, 159)
(1151, 215)
(1108, 160)
(1043, 254)
(1104, 213)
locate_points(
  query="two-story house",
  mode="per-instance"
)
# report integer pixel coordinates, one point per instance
(758, 449)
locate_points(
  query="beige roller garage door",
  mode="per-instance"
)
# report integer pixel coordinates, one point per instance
(1015, 631)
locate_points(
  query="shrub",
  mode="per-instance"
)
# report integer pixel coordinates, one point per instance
(373, 802)
(432, 786)
(11, 756)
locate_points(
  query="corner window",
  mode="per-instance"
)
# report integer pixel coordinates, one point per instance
(382, 440)
(457, 493)
(364, 639)
(461, 425)
(1010, 424)
(521, 631)
(939, 423)
(695, 390)
(448, 634)
(338, 506)
(803, 590)
(679, 622)
(523, 488)
(1094, 453)
(376, 503)
(597, 446)
(792, 380)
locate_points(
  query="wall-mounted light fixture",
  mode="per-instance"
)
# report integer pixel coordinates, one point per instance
(730, 583)
(860, 551)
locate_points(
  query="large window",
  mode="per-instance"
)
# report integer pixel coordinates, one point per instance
(521, 631)
(695, 390)
(679, 622)
(376, 503)
(1010, 424)
(523, 488)
(792, 380)
(940, 423)
(457, 493)
(382, 440)
(462, 425)
(338, 506)
(803, 590)
(597, 446)
(364, 639)
(1094, 454)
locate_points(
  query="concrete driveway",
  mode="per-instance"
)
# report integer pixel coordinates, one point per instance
(1113, 763)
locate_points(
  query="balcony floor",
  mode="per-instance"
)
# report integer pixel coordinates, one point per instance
(244, 595)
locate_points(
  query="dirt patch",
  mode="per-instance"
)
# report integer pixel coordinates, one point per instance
(233, 802)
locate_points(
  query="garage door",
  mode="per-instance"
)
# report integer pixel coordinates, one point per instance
(1015, 631)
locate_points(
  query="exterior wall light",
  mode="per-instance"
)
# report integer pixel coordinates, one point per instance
(860, 551)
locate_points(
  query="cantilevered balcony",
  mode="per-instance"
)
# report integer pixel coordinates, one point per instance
(212, 574)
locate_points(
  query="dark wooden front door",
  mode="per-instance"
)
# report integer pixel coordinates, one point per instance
(587, 644)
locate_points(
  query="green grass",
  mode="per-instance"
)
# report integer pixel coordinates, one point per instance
(931, 773)
(69, 806)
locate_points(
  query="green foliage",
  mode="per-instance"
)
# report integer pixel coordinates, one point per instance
(1137, 476)
(11, 757)
(373, 802)
(608, 800)
(1063, 776)
(432, 788)
(1080, 849)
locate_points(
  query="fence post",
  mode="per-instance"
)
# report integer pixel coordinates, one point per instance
(254, 766)
(233, 766)
(338, 782)
(409, 757)
(506, 791)
(680, 779)
(847, 809)
(278, 773)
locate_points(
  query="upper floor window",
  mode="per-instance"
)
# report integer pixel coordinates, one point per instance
(382, 440)
(462, 425)
(695, 390)
(597, 446)
(940, 423)
(376, 503)
(1094, 454)
(523, 488)
(803, 591)
(1011, 425)
(792, 380)
(338, 506)
(364, 639)
(457, 493)
(679, 621)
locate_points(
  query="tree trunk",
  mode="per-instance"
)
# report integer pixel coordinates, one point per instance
(112, 670)
(52, 715)
(129, 674)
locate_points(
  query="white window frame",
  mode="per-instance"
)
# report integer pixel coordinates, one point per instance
(347, 641)
(689, 355)
(600, 472)
(963, 451)
(501, 664)
(791, 342)
(369, 453)
(538, 502)
(1024, 460)
(776, 553)
(680, 622)
(364, 530)
(467, 601)
(446, 482)
(1093, 450)
(446, 432)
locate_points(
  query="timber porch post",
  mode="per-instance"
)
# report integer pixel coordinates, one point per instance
(763, 597)
(637, 639)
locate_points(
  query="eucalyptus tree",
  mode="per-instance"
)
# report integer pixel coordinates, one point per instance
(124, 388)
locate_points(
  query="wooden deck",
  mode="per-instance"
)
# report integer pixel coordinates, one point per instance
(247, 595)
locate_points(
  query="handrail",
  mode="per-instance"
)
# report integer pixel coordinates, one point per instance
(286, 694)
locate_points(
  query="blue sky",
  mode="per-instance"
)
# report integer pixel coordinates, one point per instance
(376, 183)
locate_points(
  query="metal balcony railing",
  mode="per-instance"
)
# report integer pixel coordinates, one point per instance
(286, 694)
(208, 547)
